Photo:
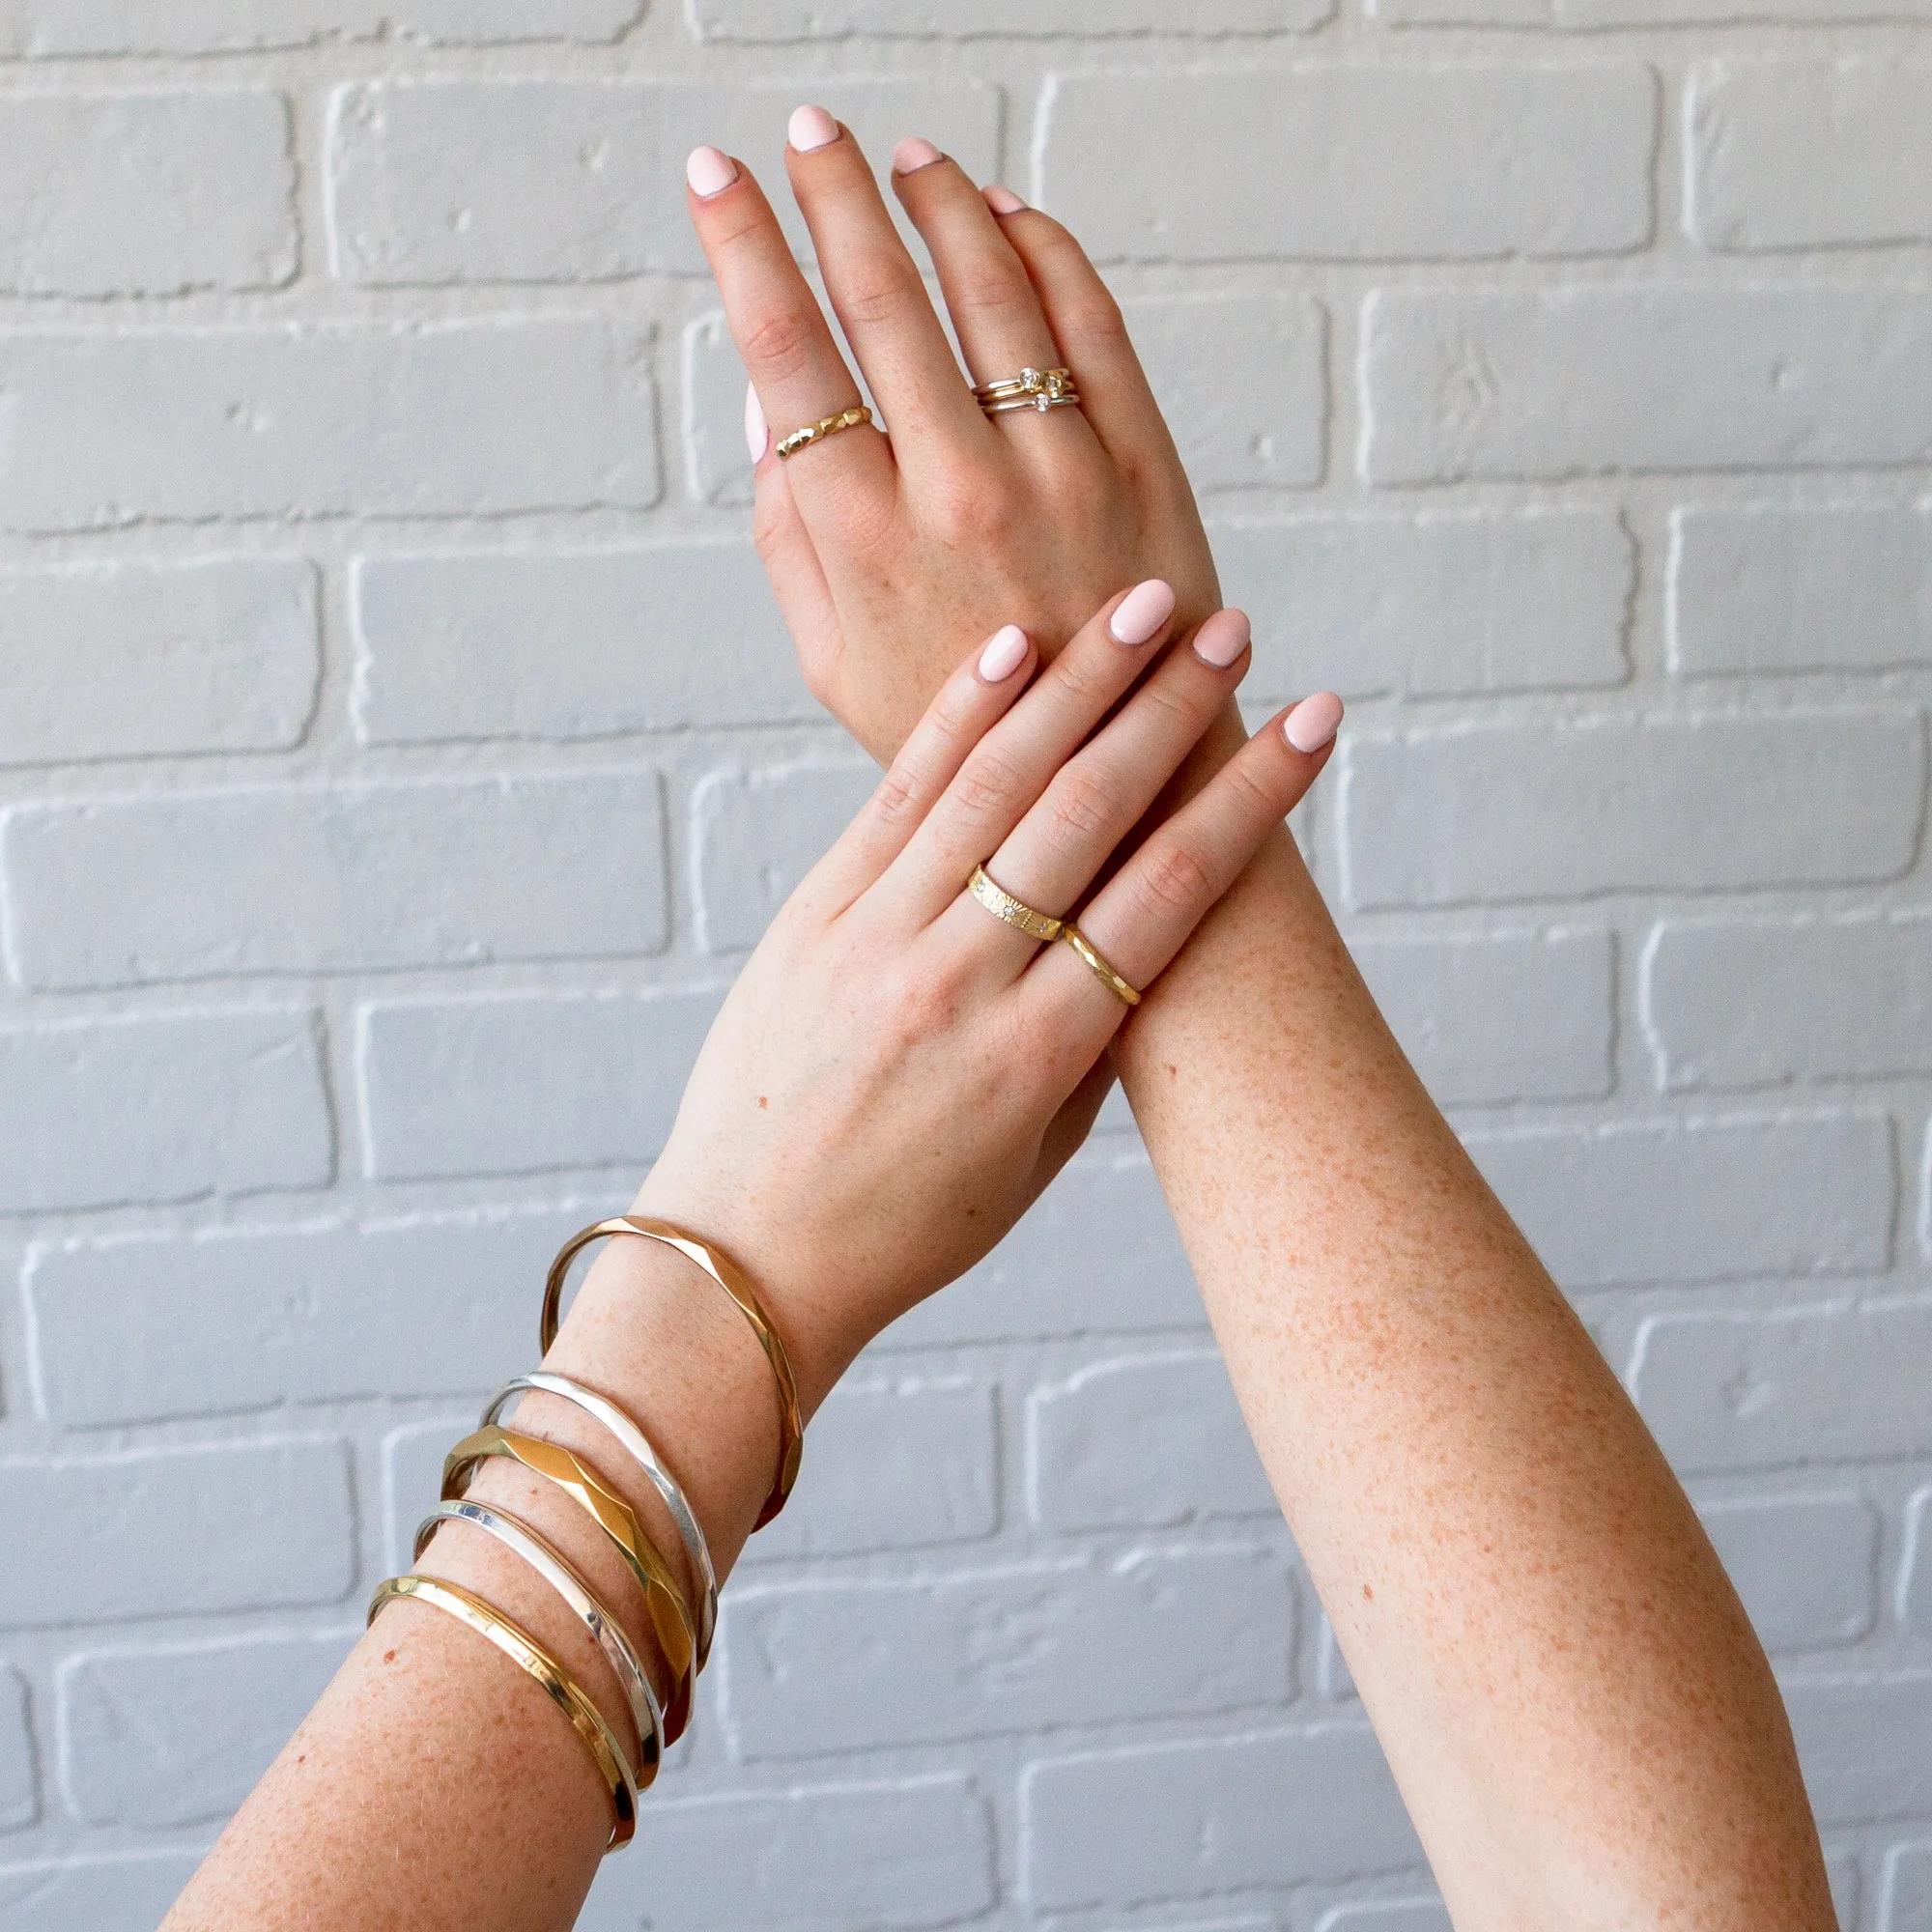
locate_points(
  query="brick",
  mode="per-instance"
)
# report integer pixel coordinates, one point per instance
(155, 1738)
(1908, 1890)
(549, 181)
(1336, 1681)
(1805, 1384)
(1765, 590)
(808, 19)
(122, 1893)
(413, 1459)
(174, 1108)
(165, 1532)
(1915, 1576)
(1844, 1877)
(134, 659)
(1142, 1442)
(1097, 1253)
(1441, 605)
(1756, 1002)
(757, 832)
(569, 644)
(1124, 1827)
(231, 1319)
(1566, 383)
(19, 1782)
(525, 1084)
(1411, 1915)
(1584, 15)
(1862, 1744)
(1545, 810)
(1806, 1566)
(355, 878)
(50, 28)
(716, 467)
(1809, 153)
(1500, 1016)
(1656, 1200)
(431, 419)
(896, 1465)
(851, 1666)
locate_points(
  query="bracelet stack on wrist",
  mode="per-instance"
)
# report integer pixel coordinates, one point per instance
(682, 1630)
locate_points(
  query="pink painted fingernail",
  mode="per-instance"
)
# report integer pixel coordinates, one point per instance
(1313, 722)
(1006, 651)
(1222, 639)
(1142, 612)
(913, 154)
(1004, 201)
(758, 431)
(709, 172)
(810, 128)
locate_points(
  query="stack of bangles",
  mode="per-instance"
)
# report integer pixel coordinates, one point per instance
(681, 1627)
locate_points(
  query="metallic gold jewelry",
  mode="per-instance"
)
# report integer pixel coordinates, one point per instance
(803, 439)
(522, 1648)
(1002, 904)
(634, 1445)
(1039, 389)
(736, 1283)
(549, 1562)
(1104, 973)
(671, 1621)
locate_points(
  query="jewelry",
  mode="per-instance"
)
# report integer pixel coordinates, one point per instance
(549, 1563)
(1104, 973)
(803, 439)
(633, 1440)
(522, 1648)
(1039, 389)
(736, 1283)
(671, 1621)
(1002, 904)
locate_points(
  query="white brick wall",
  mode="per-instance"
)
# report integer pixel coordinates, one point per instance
(397, 746)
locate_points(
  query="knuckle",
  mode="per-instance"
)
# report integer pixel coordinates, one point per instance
(779, 342)
(875, 291)
(896, 797)
(1086, 806)
(989, 288)
(988, 785)
(973, 507)
(1093, 317)
(927, 1006)
(1174, 878)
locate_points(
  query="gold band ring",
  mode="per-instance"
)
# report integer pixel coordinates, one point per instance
(1101, 970)
(803, 439)
(1039, 389)
(1002, 904)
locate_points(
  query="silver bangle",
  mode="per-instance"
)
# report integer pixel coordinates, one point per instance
(631, 1438)
(646, 1713)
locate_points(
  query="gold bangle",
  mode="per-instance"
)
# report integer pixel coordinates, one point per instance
(1002, 905)
(1102, 971)
(803, 439)
(671, 1621)
(736, 1283)
(522, 1648)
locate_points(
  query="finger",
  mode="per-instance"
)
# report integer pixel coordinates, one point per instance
(999, 781)
(791, 562)
(875, 286)
(781, 332)
(1144, 914)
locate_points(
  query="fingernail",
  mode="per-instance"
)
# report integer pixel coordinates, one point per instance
(1006, 651)
(913, 154)
(1142, 612)
(1222, 639)
(1004, 201)
(1313, 722)
(758, 431)
(709, 172)
(810, 128)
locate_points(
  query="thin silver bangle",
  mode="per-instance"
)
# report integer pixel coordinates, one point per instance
(632, 1439)
(646, 1713)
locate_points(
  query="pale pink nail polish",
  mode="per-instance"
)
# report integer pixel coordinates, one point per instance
(913, 154)
(810, 128)
(1004, 201)
(1313, 722)
(1222, 639)
(1006, 651)
(758, 431)
(709, 172)
(1142, 612)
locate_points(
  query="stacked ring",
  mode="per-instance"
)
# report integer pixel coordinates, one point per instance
(1037, 390)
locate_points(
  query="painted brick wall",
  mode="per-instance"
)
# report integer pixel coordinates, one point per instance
(397, 748)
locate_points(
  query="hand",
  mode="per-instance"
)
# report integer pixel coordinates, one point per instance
(890, 557)
(897, 1074)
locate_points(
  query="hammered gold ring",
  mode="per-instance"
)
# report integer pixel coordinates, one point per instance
(804, 438)
(1101, 970)
(1002, 904)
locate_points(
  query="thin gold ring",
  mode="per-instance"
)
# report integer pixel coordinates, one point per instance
(1102, 971)
(1002, 904)
(804, 438)
(1040, 389)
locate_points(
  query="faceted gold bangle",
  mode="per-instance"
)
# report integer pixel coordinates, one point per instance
(523, 1649)
(736, 1283)
(1099, 968)
(671, 1621)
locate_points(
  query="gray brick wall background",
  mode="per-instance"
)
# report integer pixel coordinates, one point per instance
(397, 748)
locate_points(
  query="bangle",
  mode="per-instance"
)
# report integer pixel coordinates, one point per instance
(736, 1283)
(646, 1714)
(671, 1621)
(522, 1648)
(634, 1445)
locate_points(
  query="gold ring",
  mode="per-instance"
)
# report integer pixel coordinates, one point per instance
(1002, 904)
(1039, 389)
(1102, 971)
(801, 438)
